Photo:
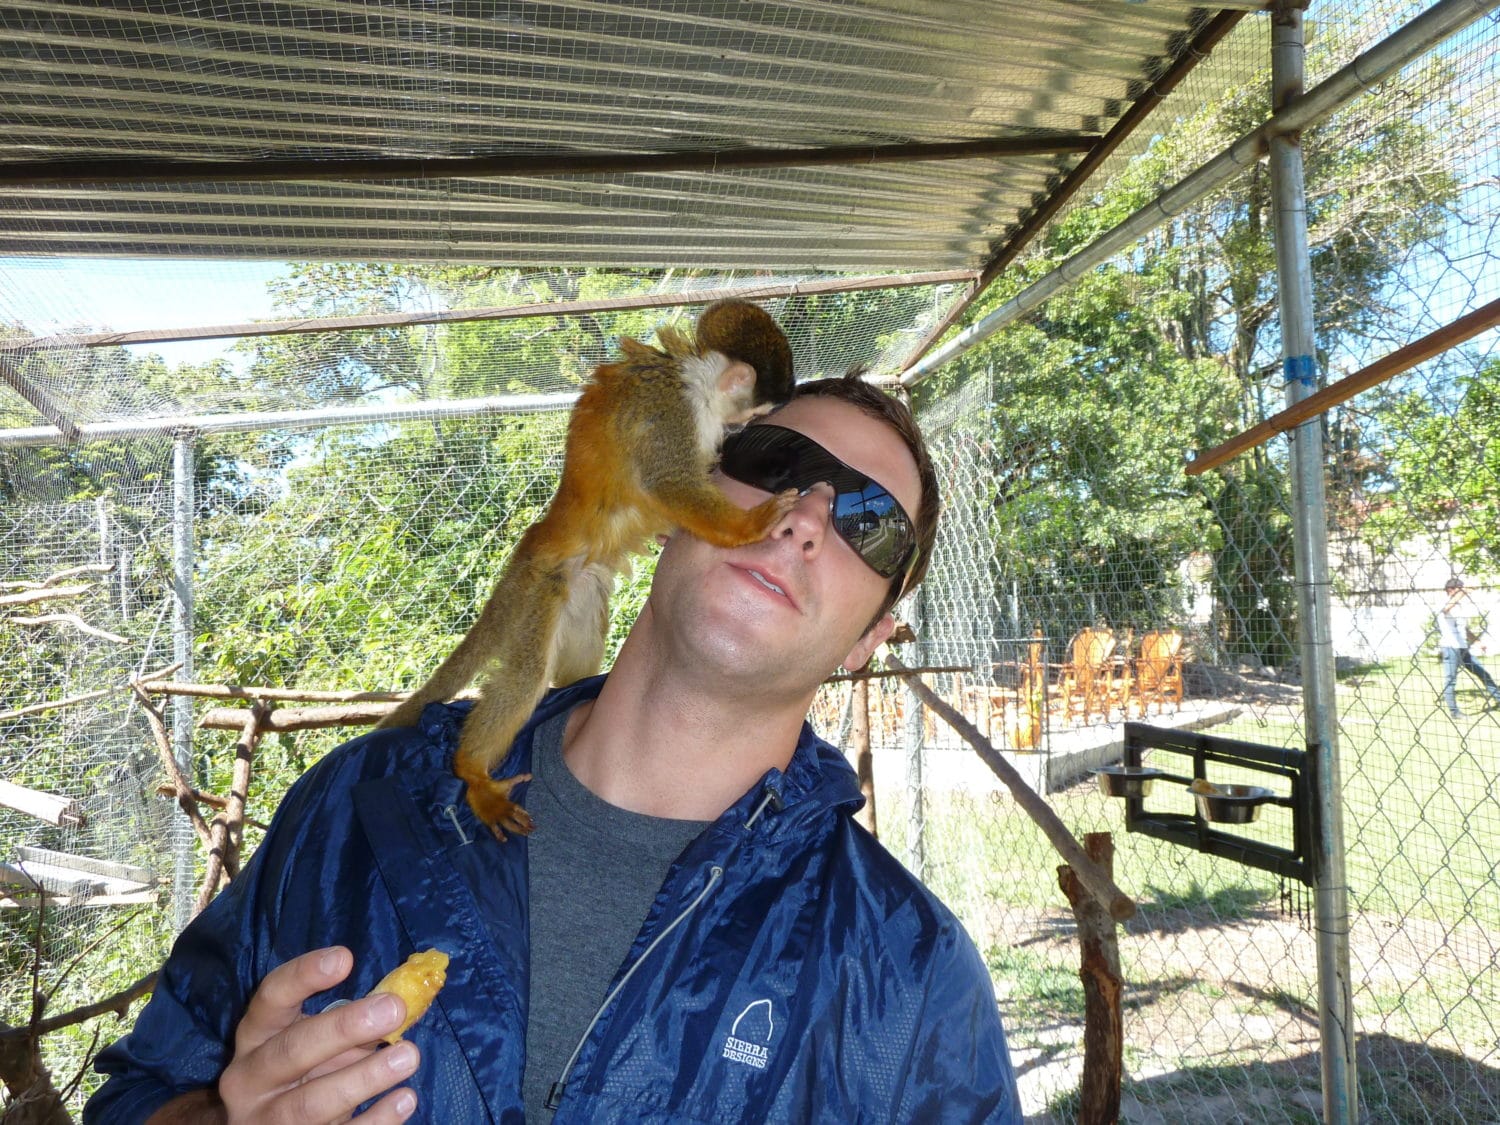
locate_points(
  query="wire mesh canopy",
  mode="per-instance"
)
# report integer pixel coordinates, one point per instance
(490, 157)
(874, 135)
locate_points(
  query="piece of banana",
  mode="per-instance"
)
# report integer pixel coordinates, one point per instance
(416, 980)
(1207, 788)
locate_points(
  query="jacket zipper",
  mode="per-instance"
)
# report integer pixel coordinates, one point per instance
(772, 798)
(554, 1095)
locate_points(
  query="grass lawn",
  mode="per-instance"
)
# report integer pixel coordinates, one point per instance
(1421, 803)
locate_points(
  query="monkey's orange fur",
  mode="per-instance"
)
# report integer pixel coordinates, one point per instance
(641, 442)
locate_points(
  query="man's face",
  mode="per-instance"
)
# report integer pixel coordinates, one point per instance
(789, 609)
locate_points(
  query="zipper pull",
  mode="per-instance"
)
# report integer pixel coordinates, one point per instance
(773, 798)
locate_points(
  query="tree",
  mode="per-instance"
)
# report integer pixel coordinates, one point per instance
(1176, 346)
(1444, 469)
(1379, 179)
(1088, 417)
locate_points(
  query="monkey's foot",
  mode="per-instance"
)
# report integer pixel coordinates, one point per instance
(490, 800)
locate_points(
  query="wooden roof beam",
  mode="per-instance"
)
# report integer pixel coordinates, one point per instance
(14, 378)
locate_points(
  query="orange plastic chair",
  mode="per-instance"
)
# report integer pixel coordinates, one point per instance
(1120, 679)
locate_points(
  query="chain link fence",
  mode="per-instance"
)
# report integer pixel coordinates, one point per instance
(1062, 453)
(1221, 1018)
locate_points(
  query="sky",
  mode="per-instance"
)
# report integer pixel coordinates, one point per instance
(50, 295)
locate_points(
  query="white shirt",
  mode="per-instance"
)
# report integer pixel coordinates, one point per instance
(1453, 627)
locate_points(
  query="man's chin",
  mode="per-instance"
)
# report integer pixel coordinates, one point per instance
(740, 666)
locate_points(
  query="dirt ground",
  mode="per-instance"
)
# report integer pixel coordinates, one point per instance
(1255, 1045)
(1243, 992)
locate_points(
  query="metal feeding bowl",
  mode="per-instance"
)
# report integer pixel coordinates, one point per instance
(1231, 804)
(1126, 781)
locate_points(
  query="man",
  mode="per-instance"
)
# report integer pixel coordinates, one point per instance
(697, 931)
(1453, 645)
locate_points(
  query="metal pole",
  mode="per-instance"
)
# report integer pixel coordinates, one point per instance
(101, 519)
(251, 421)
(1309, 517)
(184, 880)
(752, 289)
(912, 741)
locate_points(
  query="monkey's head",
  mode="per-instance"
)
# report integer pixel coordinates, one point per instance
(746, 335)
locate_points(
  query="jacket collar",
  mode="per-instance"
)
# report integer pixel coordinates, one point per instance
(818, 779)
(468, 896)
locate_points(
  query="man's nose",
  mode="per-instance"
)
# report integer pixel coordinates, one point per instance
(806, 524)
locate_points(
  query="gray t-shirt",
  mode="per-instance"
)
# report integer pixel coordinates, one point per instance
(594, 871)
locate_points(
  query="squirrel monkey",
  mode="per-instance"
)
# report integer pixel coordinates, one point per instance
(642, 440)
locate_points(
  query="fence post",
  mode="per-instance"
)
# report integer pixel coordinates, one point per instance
(1309, 517)
(864, 760)
(184, 881)
(101, 520)
(912, 742)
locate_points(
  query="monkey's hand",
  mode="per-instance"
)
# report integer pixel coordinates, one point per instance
(702, 510)
(776, 507)
(753, 524)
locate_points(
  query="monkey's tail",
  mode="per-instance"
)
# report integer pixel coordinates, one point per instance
(512, 592)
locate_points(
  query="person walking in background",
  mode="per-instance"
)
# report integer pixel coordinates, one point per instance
(1453, 645)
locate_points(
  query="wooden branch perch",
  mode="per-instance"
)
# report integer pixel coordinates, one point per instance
(229, 828)
(86, 697)
(75, 571)
(42, 594)
(212, 800)
(297, 695)
(1103, 986)
(54, 704)
(34, 1098)
(119, 1004)
(1100, 885)
(148, 677)
(61, 575)
(61, 811)
(887, 673)
(299, 718)
(361, 708)
(180, 783)
(20, 901)
(70, 619)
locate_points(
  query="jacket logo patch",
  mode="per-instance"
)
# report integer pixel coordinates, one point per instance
(749, 1039)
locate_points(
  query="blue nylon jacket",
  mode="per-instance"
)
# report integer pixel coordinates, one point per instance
(789, 970)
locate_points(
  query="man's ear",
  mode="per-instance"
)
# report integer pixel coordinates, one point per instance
(865, 647)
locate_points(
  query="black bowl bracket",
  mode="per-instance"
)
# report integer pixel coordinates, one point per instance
(1235, 804)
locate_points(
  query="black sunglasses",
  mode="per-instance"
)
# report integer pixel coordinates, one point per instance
(864, 513)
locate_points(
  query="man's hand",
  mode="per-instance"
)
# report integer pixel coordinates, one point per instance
(315, 1069)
